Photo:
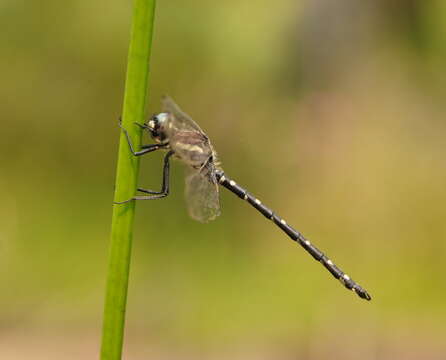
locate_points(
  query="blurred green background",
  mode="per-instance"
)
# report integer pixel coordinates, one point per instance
(331, 112)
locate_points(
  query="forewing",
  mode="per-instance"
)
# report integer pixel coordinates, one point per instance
(202, 195)
(179, 121)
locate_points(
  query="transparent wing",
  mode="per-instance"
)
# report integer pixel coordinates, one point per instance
(178, 119)
(202, 195)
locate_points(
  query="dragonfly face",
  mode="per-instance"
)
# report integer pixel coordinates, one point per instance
(157, 127)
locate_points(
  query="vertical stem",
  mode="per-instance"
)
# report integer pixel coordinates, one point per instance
(126, 180)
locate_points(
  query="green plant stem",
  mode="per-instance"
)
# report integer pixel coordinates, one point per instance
(126, 180)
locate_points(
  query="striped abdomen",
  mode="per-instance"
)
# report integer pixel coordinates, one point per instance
(293, 234)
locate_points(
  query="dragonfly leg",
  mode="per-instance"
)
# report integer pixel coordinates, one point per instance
(145, 148)
(150, 191)
(164, 188)
(140, 125)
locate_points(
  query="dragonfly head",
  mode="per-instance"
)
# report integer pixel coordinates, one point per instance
(157, 125)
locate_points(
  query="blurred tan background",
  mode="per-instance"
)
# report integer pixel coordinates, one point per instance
(330, 111)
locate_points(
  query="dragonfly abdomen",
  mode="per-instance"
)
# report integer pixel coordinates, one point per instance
(295, 235)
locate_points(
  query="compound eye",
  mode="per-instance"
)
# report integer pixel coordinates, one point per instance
(162, 118)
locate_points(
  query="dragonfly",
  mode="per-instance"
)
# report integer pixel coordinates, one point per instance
(175, 132)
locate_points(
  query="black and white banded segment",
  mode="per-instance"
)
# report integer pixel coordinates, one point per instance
(242, 193)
